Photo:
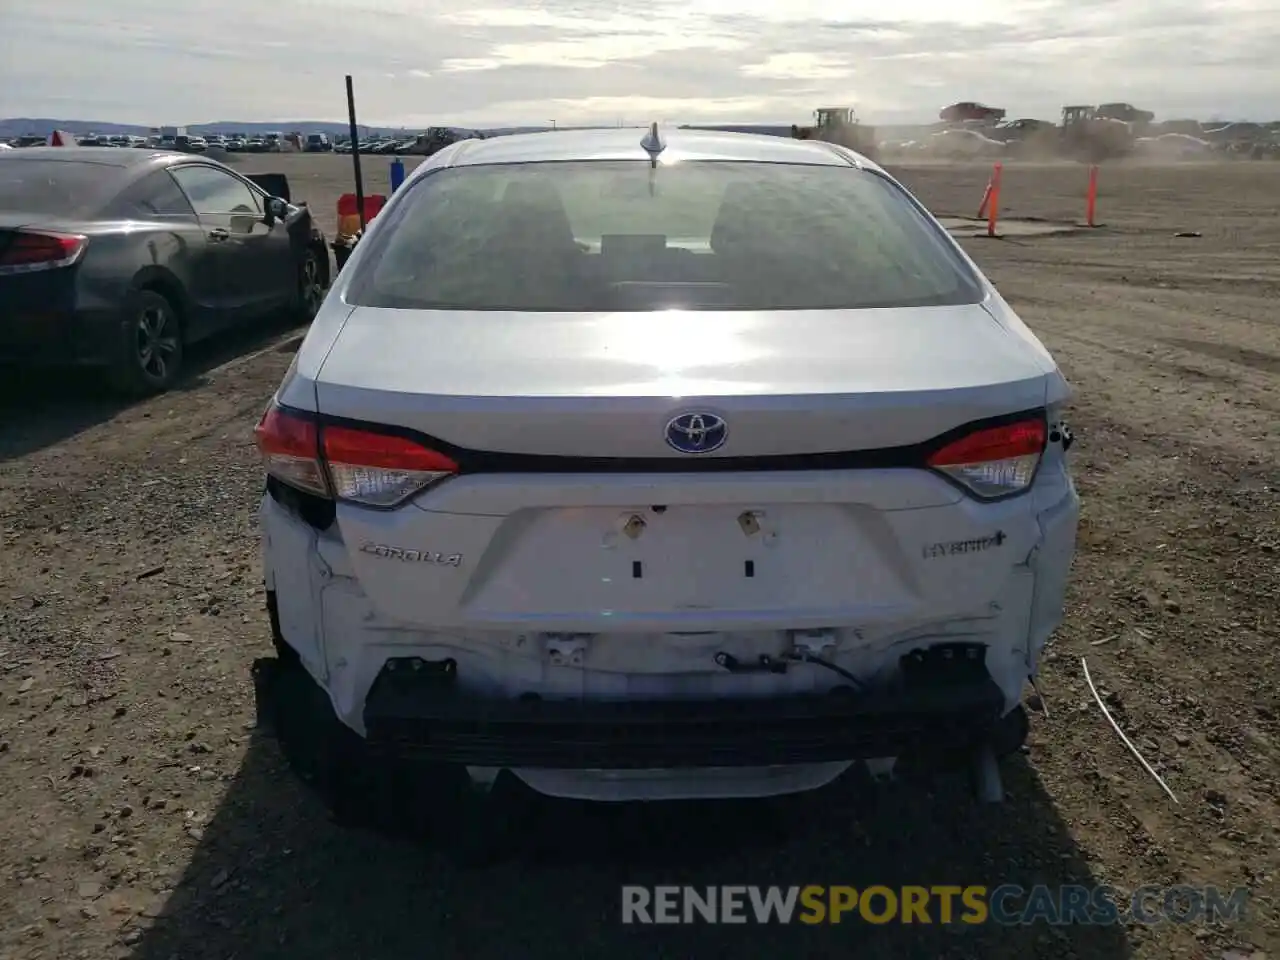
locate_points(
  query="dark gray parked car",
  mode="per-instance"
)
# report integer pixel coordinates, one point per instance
(119, 259)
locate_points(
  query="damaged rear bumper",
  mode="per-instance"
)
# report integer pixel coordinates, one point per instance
(640, 712)
(415, 709)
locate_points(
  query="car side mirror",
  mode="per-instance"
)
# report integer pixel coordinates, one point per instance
(276, 209)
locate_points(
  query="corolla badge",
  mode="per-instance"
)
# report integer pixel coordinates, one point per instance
(388, 552)
(696, 432)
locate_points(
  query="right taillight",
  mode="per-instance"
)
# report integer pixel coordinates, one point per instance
(994, 462)
(356, 464)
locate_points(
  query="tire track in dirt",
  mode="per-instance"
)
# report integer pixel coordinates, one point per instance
(1266, 362)
(1227, 385)
(1182, 278)
(1111, 356)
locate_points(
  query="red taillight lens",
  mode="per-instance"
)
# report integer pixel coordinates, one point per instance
(379, 469)
(994, 462)
(361, 466)
(290, 448)
(28, 251)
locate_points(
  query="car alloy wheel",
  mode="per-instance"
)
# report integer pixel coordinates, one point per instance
(157, 342)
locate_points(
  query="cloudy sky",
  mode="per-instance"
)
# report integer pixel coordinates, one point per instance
(420, 62)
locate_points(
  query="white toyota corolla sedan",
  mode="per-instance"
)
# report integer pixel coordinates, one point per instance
(665, 464)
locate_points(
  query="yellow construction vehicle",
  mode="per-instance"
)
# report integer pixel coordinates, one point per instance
(839, 125)
(1091, 137)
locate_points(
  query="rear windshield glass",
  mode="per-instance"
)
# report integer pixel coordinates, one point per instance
(618, 236)
(57, 187)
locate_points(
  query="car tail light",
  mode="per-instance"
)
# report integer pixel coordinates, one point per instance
(290, 448)
(27, 251)
(379, 469)
(360, 465)
(994, 462)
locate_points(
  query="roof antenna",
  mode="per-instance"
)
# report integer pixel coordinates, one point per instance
(653, 145)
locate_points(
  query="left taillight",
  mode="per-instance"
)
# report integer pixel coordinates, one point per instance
(290, 449)
(27, 251)
(994, 462)
(355, 464)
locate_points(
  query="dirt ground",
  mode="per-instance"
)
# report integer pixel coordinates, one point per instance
(143, 816)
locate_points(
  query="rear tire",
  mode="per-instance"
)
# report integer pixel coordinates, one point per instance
(150, 350)
(286, 653)
(477, 827)
(320, 749)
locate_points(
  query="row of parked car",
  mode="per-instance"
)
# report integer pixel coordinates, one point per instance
(424, 144)
(380, 145)
(193, 143)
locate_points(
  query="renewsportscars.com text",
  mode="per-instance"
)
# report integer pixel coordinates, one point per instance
(1006, 905)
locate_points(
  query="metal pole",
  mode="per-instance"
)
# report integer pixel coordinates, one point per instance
(355, 151)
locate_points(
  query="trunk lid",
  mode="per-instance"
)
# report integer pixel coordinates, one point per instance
(588, 385)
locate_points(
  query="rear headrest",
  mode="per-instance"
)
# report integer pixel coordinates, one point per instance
(534, 206)
(748, 213)
(536, 192)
